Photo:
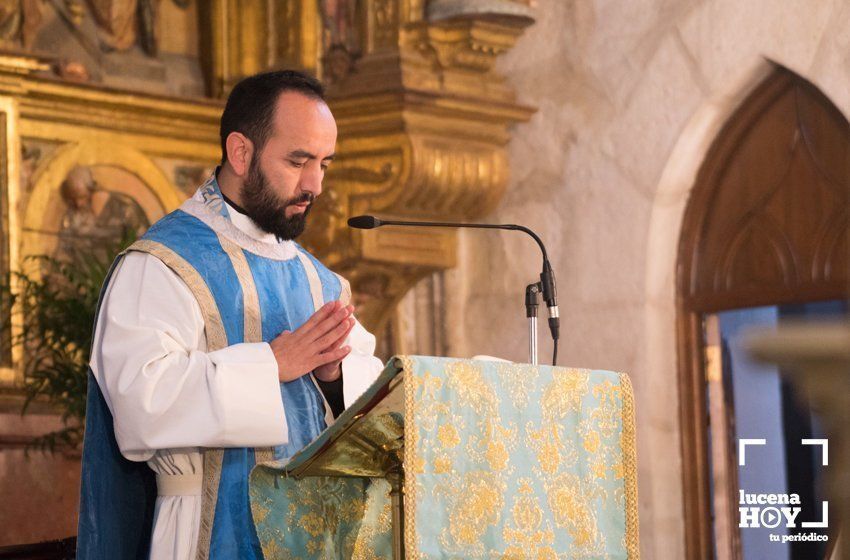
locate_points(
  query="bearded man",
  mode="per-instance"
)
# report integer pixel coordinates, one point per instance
(219, 342)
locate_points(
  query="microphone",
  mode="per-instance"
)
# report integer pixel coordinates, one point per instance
(364, 222)
(547, 276)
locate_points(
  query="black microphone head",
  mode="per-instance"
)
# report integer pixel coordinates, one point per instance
(364, 222)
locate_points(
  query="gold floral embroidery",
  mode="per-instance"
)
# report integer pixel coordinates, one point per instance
(510, 478)
(448, 436)
(591, 442)
(373, 537)
(570, 502)
(598, 469)
(565, 393)
(312, 523)
(618, 470)
(519, 380)
(552, 452)
(529, 536)
(608, 410)
(442, 465)
(468, 383)
(478, 506)
(260, 512)
(494, 444)
(320, 506)
(497, 455)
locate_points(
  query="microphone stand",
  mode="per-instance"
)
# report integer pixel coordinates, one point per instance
(532, 300)
(546, 286)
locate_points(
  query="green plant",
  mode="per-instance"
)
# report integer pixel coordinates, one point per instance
(57, 299)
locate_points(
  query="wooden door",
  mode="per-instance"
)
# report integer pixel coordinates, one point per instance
(767, 224)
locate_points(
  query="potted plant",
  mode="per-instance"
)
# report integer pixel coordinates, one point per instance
(56, 300)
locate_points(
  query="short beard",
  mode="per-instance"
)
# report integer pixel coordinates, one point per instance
(267, 210)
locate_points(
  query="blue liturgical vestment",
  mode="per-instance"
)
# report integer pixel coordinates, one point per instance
(245, 296)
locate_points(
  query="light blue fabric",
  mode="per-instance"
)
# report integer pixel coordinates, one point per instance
(513, 460)
(211, 193)
(501, 460)
(285, 304)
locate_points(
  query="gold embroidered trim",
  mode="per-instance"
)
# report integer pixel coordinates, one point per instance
(263, 455)
(216, 339)
(250, 298)
(345, 290)
(629, 446)
(253, 322)
(411, 550)
(318, 301)
(213, 458)
(213, 325)
(313, 279)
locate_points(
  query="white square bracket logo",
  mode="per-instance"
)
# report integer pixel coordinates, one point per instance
(742, 448)
(771, 510)
(824, 519)
(824, 448)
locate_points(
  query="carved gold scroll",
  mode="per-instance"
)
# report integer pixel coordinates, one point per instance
(424, 121)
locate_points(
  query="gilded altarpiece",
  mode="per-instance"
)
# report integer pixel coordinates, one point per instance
(100, 128)
(423, 118)
(78, 160)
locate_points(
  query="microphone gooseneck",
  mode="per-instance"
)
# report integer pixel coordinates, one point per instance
(547, 276)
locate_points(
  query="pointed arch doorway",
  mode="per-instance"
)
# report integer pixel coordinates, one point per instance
(764, 236)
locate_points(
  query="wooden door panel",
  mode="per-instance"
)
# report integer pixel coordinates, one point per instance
(766, 224)
(769, 211)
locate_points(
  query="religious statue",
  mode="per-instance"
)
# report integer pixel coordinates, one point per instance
(95, 218)
(122, 24)
(19, 21)
(339, 20)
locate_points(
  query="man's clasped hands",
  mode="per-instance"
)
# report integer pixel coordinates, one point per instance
(315, 346)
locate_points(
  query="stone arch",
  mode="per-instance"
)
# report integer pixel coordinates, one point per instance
(663, 266)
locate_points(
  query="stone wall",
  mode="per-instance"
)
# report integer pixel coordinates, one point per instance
(630, 96)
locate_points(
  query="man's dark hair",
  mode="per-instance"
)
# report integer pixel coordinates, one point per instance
(250, 106)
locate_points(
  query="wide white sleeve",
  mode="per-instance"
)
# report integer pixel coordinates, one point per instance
(360, 368)
(163, 388)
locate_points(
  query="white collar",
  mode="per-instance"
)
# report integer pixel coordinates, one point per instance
(247, 225)
(239, 229)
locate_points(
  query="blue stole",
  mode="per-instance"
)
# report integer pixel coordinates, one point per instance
(117, 496)
(285, 302)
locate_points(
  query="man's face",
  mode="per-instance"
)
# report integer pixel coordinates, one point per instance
(286, 176)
